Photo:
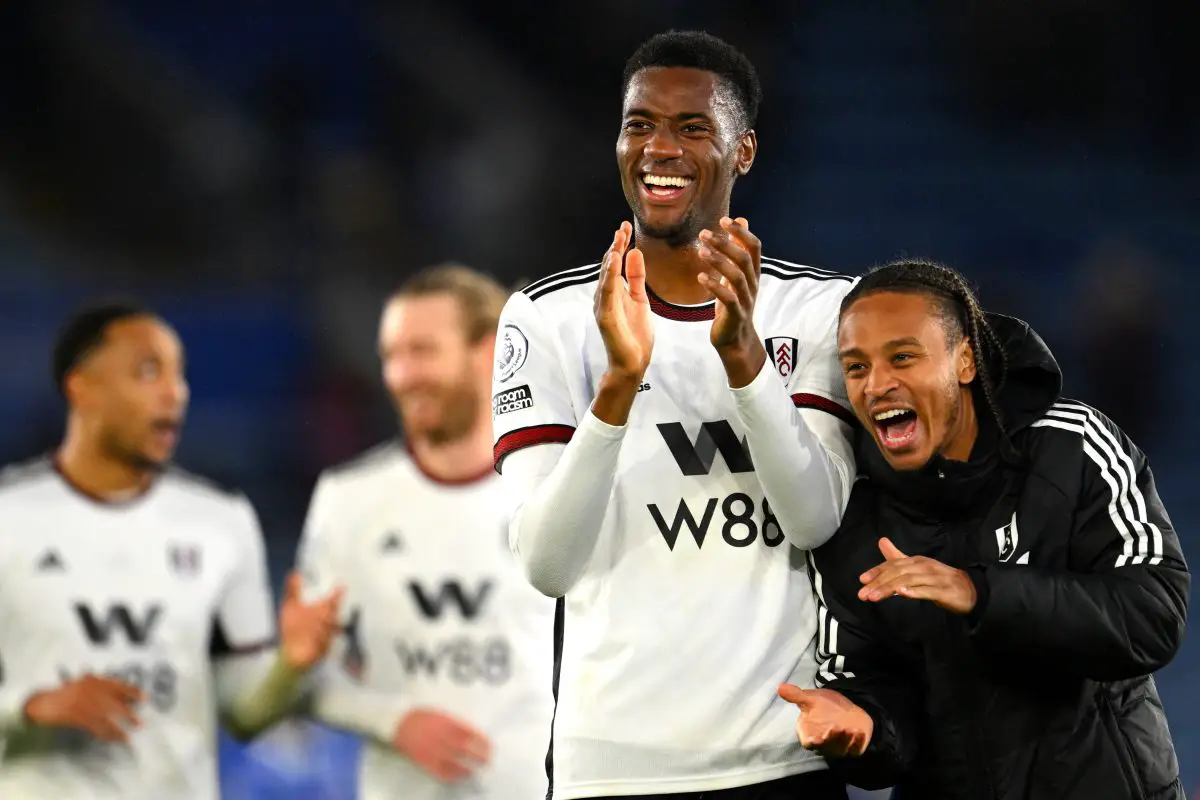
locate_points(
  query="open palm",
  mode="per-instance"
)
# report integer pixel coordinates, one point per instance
(622, 307)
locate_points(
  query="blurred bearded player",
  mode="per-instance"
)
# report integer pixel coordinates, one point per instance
(445, 667)
(136, 605)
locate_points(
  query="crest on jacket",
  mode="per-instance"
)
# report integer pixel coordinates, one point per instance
(1007, 538)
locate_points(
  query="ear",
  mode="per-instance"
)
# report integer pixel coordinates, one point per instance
(74, 390)
(966, 362)
(747, 149)
(484, 353)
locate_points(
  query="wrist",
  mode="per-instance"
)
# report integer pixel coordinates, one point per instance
(620, 381)
(742, 362)
(289, 665)
(978, 590)
(23, 714)
(614, 397)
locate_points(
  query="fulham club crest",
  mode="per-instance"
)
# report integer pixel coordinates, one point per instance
(184, 560)
(782, 350)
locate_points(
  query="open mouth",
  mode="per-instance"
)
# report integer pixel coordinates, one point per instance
(896, 427)
(665, 187)
(166, 429)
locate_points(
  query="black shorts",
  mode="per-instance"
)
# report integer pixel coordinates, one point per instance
(820, 785)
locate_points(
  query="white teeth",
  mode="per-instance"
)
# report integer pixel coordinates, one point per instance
(666, 180)
(885, 415)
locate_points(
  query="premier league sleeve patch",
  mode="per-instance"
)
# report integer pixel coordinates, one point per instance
(511, 352)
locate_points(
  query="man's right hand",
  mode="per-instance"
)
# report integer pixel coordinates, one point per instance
(103, 707)
(447, 748)
(829, 723)
(622, 308)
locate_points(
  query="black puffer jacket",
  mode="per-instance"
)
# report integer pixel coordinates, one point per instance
(1044, 691)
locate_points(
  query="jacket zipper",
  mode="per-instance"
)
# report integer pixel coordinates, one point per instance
(1108, 711)
(983, 787)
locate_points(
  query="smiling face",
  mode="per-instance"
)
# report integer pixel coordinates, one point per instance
(682, 144)
(908, 373)
(430, 366)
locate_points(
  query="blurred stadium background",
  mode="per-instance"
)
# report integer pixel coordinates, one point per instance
(265, 172)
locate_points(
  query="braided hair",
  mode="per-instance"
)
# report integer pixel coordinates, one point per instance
(961, 317)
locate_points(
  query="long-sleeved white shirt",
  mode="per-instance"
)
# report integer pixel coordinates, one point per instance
(168, 591)
(437, 615)
(666, 535)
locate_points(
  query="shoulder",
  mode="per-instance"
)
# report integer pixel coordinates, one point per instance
(368, 463)
(565, 288)
(1072, 436)
(364, 473)
(1077, 426)
(790, 276)
(193, 493)
(26, 473)
(788, 285)
(26, 478)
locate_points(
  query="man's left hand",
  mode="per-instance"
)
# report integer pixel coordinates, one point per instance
(917, 578)
(733, 254)
(307, 629)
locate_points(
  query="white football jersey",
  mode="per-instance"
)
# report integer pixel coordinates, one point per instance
(692, 609)
(438, 615)
(149, 591)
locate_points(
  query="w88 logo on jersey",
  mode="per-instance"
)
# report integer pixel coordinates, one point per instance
(158, 680)
(464, 660)
(742, 520)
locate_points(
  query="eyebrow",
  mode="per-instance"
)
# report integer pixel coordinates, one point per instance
(682, 117)
(894, 344)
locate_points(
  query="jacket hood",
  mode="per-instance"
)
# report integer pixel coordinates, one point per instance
(1033, 382)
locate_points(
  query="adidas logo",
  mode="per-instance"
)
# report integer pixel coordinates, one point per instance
(50, 560)
(392, 543)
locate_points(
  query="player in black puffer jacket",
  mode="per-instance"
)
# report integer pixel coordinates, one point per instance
(1005, 578)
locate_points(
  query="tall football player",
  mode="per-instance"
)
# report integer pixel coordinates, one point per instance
(135, 602)
(662, 459)
(446, 663)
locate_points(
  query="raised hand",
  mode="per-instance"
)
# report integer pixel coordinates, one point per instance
(622, 308)
(918, 578)
(829, 723)
(102, 707)
(447, 748)
(307, 629)
(733, 254)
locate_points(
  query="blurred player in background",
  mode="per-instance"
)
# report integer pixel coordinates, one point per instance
(446, 661)
(661, 462)
(130, 586)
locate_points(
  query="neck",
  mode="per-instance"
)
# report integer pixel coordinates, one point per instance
(966, 433)
(462, 460)
(671, 269)
(90, 471)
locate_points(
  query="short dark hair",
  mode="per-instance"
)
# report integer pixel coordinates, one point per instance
(700, 50)
(84, 331)
(960, 315)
